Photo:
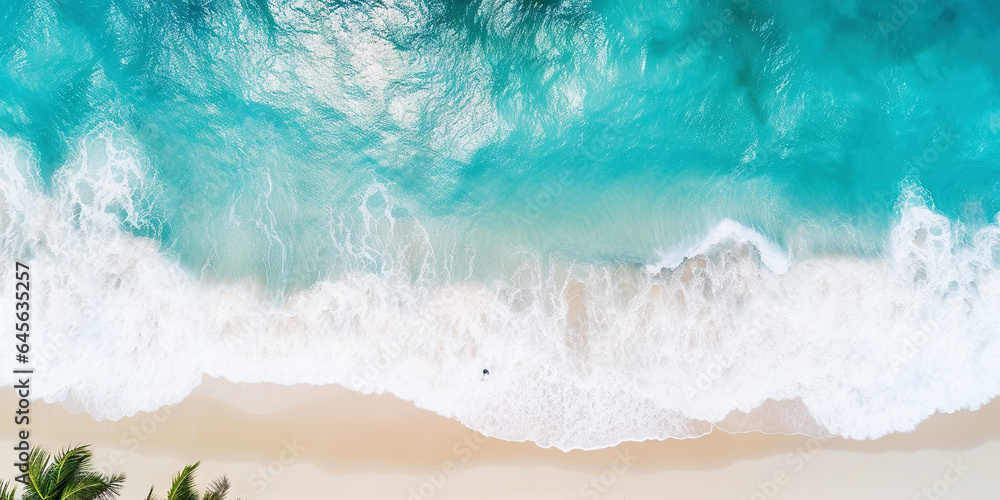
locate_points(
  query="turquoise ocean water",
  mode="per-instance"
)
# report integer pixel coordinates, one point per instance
(641, 217)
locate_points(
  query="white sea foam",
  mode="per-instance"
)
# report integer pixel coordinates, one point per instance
(580, 356)
(726, 234)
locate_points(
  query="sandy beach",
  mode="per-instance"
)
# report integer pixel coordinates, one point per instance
(307, 442)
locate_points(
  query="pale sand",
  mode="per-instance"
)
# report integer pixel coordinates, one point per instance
(374, 447)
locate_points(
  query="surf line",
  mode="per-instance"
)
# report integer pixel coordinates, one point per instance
(22, 328)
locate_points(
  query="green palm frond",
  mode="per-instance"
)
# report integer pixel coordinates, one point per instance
(69, 464)
(7, 491)
(151, 496)
(218, 489)
(183, 486)
(68, 476)
(37, 489)
(94, 486)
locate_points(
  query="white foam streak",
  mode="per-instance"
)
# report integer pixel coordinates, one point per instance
(580, 356)
(726, 234)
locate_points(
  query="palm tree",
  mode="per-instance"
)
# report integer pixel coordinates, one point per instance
(68, 477)
(183, 487)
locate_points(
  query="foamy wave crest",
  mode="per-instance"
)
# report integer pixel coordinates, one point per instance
(732, 333)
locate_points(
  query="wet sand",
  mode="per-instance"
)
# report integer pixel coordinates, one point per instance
(308, 442)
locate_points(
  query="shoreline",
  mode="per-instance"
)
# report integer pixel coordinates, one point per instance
(380, 444)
